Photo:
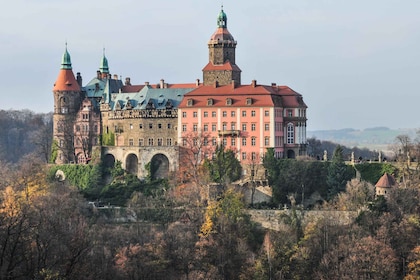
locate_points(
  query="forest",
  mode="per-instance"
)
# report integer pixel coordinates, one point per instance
(49, 230)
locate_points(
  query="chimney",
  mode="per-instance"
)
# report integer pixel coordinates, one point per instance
(233, 84)
(197, 82)
(254, 83)
(98, 74)
(216, 84)
(127, 81)
(146, 83)
(273, 84)
(162, 83)
(79, 79)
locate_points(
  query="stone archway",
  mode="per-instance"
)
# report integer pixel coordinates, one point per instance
(109, 161)
(290, 154)
(159, 166)
(132, 164)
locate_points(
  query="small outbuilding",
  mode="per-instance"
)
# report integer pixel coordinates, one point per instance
(385, 185)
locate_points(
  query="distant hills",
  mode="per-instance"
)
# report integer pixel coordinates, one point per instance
(371, 138)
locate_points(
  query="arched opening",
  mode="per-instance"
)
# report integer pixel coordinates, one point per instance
(159, 166)
(290, 154)
(109, 161)
(132, 164)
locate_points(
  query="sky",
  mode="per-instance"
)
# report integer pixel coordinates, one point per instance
(356, 63)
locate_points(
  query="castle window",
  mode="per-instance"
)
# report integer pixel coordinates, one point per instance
(141, 142)
(233, 126)
(249, 101)
(266, 141)
(159, 125)
(243, 155)
(266, 127)
(184, 127)
(228, 101)
(253, 157)
(233, 141)
(252, 113)
(206, 114)
(150, 125)
(224, 142)
(289, 113)
(169, 126)
(205, 141)
(190, 102)
(224, 126)
(253, 127)
(210, 102)
(213, 127)
(195, 127)
(168, 141)
(206, 127)
(184, 142)
(213, 114)
(64, 110)
(224, 114)
(253, 141)
(290, 133)
(151, 142)
(267, 113)
(243, 141)
(141, 126)
(194, 114)
(160, 141)
(232, 113)
(213, 141)
(244, 127)
(243, 113)
(130, 142)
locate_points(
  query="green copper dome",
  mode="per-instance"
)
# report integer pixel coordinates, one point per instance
(104, 65)
(66, 61)
(222, 19)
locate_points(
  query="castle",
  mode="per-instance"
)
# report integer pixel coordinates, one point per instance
(112, 120)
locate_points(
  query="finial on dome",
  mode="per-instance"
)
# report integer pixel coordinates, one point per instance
(222, 19)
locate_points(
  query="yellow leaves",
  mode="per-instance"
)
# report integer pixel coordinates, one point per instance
(208, 226)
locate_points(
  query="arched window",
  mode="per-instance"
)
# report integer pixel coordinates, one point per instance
(290, 134)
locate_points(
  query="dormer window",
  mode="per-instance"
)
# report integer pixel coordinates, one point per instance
(249, 101)
(229, 101)
(210, 102)
(190, 102)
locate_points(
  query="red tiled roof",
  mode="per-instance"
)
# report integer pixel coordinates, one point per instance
(386, 181)
(262, 95)
(222, 34)
(226, 66)
(66, 81)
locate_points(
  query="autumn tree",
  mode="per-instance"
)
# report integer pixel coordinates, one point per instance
(359, 258)
(227, 238)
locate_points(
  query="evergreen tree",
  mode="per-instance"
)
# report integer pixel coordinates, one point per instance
(224, 167)
(338, 173)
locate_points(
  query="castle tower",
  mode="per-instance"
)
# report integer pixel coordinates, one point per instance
(67, 98)
(221, 67)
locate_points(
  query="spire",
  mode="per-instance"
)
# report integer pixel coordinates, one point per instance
(222, 19)
(104, 64)
(66, 61)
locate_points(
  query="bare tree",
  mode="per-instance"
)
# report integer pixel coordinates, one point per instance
(195, 148)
